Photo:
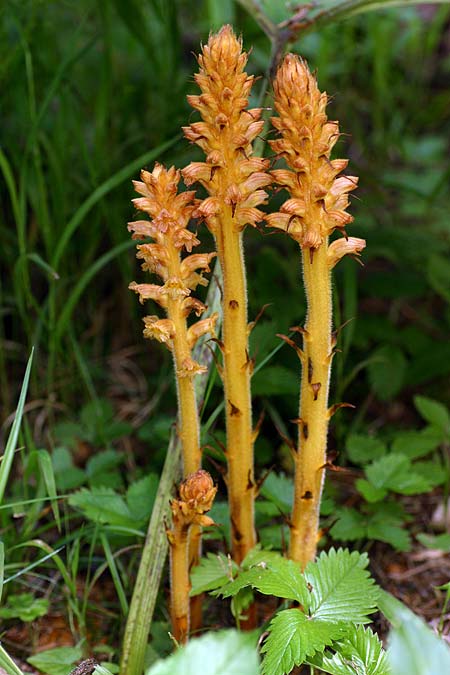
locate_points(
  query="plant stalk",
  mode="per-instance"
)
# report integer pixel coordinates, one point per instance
(310, 458)
(236, 379)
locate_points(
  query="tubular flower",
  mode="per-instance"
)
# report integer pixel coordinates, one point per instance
(317, 205)
(234, 181)
(319, 199)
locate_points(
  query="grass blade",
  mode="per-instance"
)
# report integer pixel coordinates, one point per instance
(104, 189)
(8, 455)
(7, 664)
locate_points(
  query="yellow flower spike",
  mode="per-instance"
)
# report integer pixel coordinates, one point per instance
(170, 212)
(233, 180)
(317, 206)
(195, 499)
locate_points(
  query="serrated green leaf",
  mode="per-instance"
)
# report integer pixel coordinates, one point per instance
(280, 577)
(389, 528)
(433, 412)
(58, 661)
(103, 505)
(414, 444)
(360, 653)
(224, 653)
(141, 496)
(394, 472)
(370, 493)
(25, 607)
(413, 649)
(292, 637)
(103, 462)
(363, 449)
(342, 589)
(387, 371)
(213, 571)
(440, 542)
(350, 525)
(279, 489)
(258, 555)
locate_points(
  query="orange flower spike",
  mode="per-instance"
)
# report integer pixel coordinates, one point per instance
(234, 181)
(170, 213)
(195, 498)
(317, 206)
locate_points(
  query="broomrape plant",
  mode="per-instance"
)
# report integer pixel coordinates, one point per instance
(329, 600)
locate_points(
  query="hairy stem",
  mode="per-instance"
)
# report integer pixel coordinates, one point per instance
(179, 583)
(313, 424)
(236, 378)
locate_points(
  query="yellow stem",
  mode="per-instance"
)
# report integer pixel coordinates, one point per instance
(188, 426)
(179, 582)
(312, 443)
(236, 378)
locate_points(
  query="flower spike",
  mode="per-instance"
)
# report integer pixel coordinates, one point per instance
(234, 180)
(317, 206)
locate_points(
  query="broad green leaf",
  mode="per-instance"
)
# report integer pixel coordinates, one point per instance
(342, 589)
(413, 649)
(433, 412)
(390, 529)
(440, 541)
(224, 653)
(102, 462)
(103, 505)
(258, 555)
(67, 475)
(350, 525)
(435, 473)
(394, 472)
(363, 449)
(370, 493)
(25, 607)
(360, 653)
(415, 444)
(58, 661)
(387, 371)
(141, 496)
(279, 489)
(293, 636)
(213, 571)
(275, 380)
(281, 578)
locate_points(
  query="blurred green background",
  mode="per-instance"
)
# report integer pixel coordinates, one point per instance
(93, 91)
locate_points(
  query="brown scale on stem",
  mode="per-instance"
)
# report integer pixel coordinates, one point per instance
(317, 206)
(234, 180)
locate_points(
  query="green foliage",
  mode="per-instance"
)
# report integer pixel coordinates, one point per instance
(25, 607)
(58, 661)
(222, 653)
(360, 653)
(333, 593)
(293, 637)
(104, 505)
(413, 648)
